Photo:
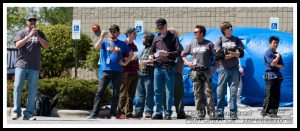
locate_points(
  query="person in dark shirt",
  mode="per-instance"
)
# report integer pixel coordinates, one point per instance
(273, 78)
(29, 42)
(165, 49)
(232, 49)
(202, 52)
(145, 89)
(129, 78)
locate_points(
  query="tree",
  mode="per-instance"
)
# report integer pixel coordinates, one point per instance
(59, 57)
(56, 15)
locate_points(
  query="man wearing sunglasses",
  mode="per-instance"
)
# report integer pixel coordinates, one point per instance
(113, 51)
(165, 49)
(202, 51)
(229, 69)
(29, 42)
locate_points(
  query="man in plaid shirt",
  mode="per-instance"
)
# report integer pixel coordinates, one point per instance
(145, 89)
(129, 78)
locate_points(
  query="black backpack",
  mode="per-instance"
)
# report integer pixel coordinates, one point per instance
(42, 105)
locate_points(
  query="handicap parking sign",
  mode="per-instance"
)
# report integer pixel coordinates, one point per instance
(274, 23)
(76, 30)
(138, 25)
(138, 28)
(76, 27)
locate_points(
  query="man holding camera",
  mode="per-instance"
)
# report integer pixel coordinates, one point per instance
(229, 49)
(202, 55)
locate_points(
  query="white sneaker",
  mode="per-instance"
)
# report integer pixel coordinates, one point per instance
(15, 116)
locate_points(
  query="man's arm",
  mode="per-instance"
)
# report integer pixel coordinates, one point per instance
(129, 59)
(98, 44)
(42, 40)
(21, 42)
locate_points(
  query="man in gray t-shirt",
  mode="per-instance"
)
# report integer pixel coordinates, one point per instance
(202, 51)
(29, 42)
(232, 48)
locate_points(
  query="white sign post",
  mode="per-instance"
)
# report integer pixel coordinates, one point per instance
(274, 23)
(138, 24)
(76, 30)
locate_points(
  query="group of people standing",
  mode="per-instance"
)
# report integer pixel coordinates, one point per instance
(155, 77)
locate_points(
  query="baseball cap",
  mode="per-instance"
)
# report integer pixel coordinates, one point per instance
(130, 30)
(114, 27)
(161, 22)
(31, 17)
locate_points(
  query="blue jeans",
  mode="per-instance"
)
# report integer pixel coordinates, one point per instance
(228, 76)
(145, 95)
(32, 77)
(166, 76)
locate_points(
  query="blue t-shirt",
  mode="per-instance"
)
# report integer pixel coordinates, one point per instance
(113, 64)
(269, 57)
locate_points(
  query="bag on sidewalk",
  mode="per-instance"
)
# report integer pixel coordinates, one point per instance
(42, 106)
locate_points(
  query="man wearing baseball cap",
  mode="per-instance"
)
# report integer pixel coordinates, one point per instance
(165, 50)
(113, 51)
(29, 42)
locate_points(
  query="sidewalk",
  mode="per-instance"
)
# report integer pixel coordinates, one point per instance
(246, 115)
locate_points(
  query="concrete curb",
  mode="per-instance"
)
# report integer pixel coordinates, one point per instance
(68, 113)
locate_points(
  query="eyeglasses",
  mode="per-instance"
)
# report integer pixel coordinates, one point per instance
(160, 27)
(229, 27)
(30, 20)
(113, 32)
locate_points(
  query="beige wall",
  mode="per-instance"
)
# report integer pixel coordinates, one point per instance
(184, 19)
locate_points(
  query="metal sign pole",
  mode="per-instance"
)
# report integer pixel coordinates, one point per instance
(76, 50)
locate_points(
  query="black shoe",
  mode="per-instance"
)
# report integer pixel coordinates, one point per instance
(181, 116)
(233, 116)
(220, 117)
(137, 116)
(212, 116)
(91, 117)
(157, 117)
(128, 116)
(202, 113)
(168, 117)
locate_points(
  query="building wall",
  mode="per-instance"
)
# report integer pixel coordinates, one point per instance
(183, 19)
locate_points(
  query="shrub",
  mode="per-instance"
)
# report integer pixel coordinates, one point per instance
(59, 58)
(74, 93)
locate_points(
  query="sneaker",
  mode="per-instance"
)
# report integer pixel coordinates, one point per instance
(128, 116)
(30, 118)
(212, 116)
(220, 117)
(113, 118)
(182, 116)
(274, 116)
(233, 116)
(15, 116)
(168, 117)
(157, 117)
(137, 116)
(202, 113)
(119, 117)
(147, 115)
(91, 117)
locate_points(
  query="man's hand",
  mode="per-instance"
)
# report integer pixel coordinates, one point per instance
(163, 53)
(32, 32)
(123, 63)
(277, 55)
(103, 34)
(190, 64)
(235, 54)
